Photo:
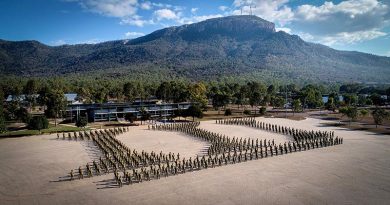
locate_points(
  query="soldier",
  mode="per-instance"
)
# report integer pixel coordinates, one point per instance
(80, 173)
(71, 175)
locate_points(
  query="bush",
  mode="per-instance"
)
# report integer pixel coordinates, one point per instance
(130, 117)
(38, 123)
(82, 122)
(194, 111)
(363, 112)
(228, 112)
(247, 112)
(379, 114)
(3, 127)
(22, 115)
(350, 112)
(263, 110)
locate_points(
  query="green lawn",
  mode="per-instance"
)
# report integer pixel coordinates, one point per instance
(51, 129)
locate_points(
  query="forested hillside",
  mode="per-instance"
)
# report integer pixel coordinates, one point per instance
(239, 47)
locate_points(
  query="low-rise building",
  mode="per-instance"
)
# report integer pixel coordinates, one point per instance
(116, 111)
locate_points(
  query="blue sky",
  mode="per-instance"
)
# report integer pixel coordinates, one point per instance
(361, 25)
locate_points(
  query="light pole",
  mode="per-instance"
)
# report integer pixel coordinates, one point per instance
(286, 99)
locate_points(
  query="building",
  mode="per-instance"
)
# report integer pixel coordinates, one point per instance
(325, 98)
(72, 98)
(116, 111)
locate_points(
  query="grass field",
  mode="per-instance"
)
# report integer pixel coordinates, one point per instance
(51, 129)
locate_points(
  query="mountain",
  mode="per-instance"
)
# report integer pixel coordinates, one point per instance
(236, 47)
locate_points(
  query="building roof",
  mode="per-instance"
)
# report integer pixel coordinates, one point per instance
(70, 96)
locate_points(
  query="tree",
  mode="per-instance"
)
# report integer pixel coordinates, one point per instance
(263, 110)
(376, 99)
(198, 94)
(84, 95)
(330, 105)
(228, 112)
(388, 94)
(145, 115)
(379, 114)
(296, 106)
(219, 100)
(3, 127)
(177, 113)
(336, 99)
(164, 91)
(255, 95)
(55, 102)
(271, 90)
(278, 101)
(38, 123)
(22, 114)
(179, 92)
(130, 117)
(30, 91)
(194, 111)
(99, 94)
(350, 112)
(310, 96)
(350, 99)
(362, 100)
(350, 88)
(240, 96)
(81, 122)
(363, 112)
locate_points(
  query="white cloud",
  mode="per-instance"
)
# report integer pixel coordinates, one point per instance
(306, 36)
(161, 5)
(133, 34)
(59, 42)
(194, 19)
(136, 21)
(194, 10)
(146, 5)
(344, 38)
(165, 14)
(271, 10)
(348, 22)
(113, 8)
(285, 29)
(351, 8)
(223, 8)
(91, 41)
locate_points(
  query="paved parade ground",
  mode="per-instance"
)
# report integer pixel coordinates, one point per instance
(33, 170)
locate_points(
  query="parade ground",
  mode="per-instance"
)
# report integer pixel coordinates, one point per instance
(35, 170)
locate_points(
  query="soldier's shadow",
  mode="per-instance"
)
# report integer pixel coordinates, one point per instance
(106, 184)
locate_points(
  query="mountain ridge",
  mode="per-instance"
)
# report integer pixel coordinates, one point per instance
(227, 46)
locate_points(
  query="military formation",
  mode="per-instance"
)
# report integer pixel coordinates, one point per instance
(299, 135)
(130, 166)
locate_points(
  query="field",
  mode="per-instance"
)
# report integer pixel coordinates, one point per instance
(33, 170)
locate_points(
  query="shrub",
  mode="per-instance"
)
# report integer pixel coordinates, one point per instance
(194, 111)
(130, 117)
(38, 123)
(263, 110)
(247, 112)
(228, 112)
(82, 122)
